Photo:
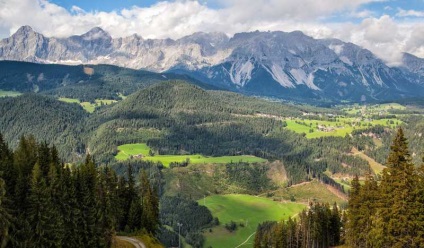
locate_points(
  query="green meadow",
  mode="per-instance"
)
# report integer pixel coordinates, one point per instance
(247, 211)
(341, 127)
(9, 93)
(88, 106)
(132, 150)
(372, 109)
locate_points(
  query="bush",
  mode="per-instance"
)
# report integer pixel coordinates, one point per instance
(232, 226)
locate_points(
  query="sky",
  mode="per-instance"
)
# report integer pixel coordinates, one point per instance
(386, 27)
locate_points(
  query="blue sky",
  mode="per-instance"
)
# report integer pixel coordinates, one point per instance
(103, 5)
(386, 27)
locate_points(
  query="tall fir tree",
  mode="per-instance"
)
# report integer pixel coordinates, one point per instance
(150, 205)
(41, 213)
(397, 226)
(353, 214)
(5, 216)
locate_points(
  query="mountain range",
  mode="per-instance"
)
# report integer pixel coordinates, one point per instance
(277, 64)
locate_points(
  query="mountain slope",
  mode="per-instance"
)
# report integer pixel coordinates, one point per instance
(85, 82)
(285, 65)
(49, 120)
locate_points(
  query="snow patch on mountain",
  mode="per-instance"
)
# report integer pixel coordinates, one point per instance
(280, 76)
(338, 49)
(241, 73)
(346, 60)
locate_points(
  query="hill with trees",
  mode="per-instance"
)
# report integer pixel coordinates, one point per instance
(385, 212)
(45, 203)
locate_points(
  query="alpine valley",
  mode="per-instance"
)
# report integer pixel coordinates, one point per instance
(274, 64)
(262, 139)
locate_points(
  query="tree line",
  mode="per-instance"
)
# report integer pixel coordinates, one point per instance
(387, 212)
(46, 203)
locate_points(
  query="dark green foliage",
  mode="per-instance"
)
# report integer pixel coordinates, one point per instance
(106, 81)
(388, 214)
(60, 206)
(178, 118)
(319, 226)
(45, 118)
(231, 226)
(190, 214)
(251, 177)
(168, 238)
(5, 214)
(150, 205)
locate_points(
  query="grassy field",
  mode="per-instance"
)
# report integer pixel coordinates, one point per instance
(305, 192)
(243, 209)
(372, 109)
(341, 127)
(9, 93)
(89, 107)
(376, 167)
(128, 150)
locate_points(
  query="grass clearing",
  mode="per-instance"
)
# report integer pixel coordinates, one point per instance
(88, 106)
(372, 109)
(246, 210)
(141, 151)
(375, 166)
(341, 126)
(4, 93)
(306, 192)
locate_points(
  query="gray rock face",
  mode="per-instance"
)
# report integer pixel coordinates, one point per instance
(264, 63)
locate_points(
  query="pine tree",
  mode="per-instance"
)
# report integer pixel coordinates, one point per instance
(69, 206)
(106, 198)
(419, 205)
(335, 226)
(396, 226)
(150, 205)
(9, 173)
(353, 214)
(5, 216)
(88, 202)
(367, 210)
(42, 215)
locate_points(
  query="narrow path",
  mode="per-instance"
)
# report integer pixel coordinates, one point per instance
(135, 242)
(245, 240)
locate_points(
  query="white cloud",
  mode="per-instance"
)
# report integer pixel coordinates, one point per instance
(362, 14)
(409, 13)
(385, 36)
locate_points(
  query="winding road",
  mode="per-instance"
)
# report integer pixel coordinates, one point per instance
(135, 242)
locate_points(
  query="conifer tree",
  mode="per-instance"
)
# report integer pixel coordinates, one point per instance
(369, 197)
(397, 224)
(419, 205)
(150, 205)
(87, 199)
(42, 216)
(5, 216)
(353, 214)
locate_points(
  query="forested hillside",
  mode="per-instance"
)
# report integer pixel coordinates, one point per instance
(49, 120)
(45, 203)
(179, 118)
(84, 82)
(385, 212)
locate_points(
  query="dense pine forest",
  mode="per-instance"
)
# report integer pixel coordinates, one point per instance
(46, 203)
(384, 212)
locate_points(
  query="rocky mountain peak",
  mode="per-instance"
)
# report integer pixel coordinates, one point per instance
(266, 63)
(95, 34)
(24, 31)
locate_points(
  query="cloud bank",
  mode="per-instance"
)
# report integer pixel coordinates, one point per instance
(385, 35)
